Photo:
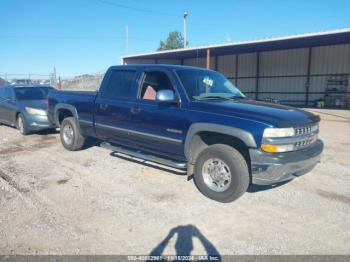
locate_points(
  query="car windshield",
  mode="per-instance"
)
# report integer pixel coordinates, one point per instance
(31, 93)
(203, 84)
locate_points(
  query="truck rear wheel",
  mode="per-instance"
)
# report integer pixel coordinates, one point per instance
(221, 173)
(70, 135)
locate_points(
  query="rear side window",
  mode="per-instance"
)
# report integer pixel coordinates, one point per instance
(119, 83)
(31, 93)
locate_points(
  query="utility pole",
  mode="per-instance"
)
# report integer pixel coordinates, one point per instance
(126, 39)
(185, 29)
(54, 72)
(54, 76)
(59, 85)
(208, 59)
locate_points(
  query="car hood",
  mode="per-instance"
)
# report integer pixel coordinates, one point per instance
(268, 113)
(37, 104)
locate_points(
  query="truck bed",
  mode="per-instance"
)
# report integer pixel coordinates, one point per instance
(82, 101)
(75, 92)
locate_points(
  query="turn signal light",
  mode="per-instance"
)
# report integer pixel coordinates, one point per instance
(277, 148)
(269, 148)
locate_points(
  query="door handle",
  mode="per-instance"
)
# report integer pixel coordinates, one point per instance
(103, 106)
(135, 109)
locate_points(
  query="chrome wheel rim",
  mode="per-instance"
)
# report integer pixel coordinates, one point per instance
(68, 134)
(20, 125)
(216, 174)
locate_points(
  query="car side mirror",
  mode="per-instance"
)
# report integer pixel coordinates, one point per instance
(166, 96)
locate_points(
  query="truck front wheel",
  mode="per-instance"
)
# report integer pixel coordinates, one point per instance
(221, 173)
(71, 138)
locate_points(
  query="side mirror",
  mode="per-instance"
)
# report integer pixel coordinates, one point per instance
(166, 96)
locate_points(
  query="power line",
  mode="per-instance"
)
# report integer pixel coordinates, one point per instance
(72, 37)
(137, 9)
(23, 74)
(57, 37)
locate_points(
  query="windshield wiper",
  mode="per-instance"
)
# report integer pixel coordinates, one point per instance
(237, 97)
(213, 97)
(219, 97)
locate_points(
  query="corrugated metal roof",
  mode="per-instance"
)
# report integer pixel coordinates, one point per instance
(306, 39)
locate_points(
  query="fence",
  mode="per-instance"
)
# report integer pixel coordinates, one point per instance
(88, 82)
(36, 79)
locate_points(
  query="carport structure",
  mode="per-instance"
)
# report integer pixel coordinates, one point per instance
(298, 69)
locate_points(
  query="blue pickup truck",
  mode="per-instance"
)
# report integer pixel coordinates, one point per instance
(193, 119)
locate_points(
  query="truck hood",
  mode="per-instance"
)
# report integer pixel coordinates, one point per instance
(268, 113)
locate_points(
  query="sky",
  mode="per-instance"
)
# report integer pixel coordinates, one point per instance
(88, 36)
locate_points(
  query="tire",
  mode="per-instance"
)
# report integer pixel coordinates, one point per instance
(71, 138)
(22, 125)
(227, 166)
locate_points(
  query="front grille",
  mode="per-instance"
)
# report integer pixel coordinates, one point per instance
(309, 136)
(305, 143)
(306, 130)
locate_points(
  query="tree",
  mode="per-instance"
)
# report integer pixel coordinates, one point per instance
(175, 40)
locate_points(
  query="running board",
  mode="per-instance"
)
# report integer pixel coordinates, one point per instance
(147, 157)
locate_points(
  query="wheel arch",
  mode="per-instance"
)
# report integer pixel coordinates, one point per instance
(63, 111)
(202, 135)
(18, 112)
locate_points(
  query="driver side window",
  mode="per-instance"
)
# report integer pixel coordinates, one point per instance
(153, 82)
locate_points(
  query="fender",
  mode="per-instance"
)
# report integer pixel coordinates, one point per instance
(68, 107)
(241, 134)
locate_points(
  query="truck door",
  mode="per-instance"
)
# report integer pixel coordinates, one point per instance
(112, 106)
(157, 127)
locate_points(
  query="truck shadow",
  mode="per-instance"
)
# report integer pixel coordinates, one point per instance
(46, 132)
(253, 188)
(148, 164)
(184, 243)
(91, 142)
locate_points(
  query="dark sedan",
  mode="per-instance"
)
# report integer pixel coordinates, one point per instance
(24, 107)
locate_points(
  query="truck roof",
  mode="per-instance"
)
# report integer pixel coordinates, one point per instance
(168, 66)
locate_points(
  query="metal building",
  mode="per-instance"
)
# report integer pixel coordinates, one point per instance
(299, 69)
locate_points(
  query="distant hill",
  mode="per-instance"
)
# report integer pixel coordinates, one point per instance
(83, 82)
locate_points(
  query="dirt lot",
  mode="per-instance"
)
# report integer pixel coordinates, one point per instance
(91, 202)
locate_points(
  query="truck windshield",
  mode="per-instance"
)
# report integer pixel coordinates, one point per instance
(203, 84)
(31, 93)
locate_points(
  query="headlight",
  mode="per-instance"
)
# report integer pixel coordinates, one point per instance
(279, 132)
(34, 111)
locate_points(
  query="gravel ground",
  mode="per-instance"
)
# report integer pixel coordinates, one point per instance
(93, 202)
